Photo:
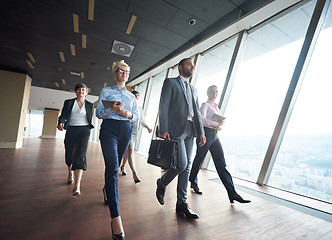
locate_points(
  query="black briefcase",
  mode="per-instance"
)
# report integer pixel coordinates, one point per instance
(164, 154)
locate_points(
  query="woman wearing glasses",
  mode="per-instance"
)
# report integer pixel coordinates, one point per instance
(115, 133)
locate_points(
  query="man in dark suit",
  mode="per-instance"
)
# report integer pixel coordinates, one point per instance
(180, 119)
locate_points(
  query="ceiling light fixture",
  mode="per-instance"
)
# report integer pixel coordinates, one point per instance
(75, 74)
(131, 24)
(62, 56)
(122, 49)
(72, 49)
(63, 81)
(30, 64)
(91, 9)
(56, 84)
(31, 57)
(83, 41)
(75, 22)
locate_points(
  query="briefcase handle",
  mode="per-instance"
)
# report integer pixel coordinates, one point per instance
(156, 137)
(157, 132)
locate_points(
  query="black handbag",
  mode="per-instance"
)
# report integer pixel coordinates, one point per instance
(164, 154)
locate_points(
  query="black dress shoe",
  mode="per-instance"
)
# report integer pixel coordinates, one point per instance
(183, 208)
(160, 192)
(238, 198)
(195, 188)
(119, 236)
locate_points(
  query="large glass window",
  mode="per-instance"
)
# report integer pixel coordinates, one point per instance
(213, 69)
(34, 123)
(304, 161)
(259, 89)
(174, 71)
(141, 88)
(152, 110)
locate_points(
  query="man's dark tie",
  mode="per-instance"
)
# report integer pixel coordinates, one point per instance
(189, 98)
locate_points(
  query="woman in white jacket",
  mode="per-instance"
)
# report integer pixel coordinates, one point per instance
(129, 156)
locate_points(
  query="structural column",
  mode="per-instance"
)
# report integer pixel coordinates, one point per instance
(15, 93)
(50, 123)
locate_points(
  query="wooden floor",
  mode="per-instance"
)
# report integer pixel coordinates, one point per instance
(35, 203)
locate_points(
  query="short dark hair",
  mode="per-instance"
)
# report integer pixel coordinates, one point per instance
(134, 92)
(181, 63)
(81, 85)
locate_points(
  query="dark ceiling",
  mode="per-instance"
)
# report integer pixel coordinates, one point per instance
(44, 28)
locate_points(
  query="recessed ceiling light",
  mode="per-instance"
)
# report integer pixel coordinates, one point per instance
(131, 24)
(91, 9)
(62, 57)
(31, 57)
(83, 41)
(30, 64)
(75, 22)
(60, 69)
(72, 49)
(75, 74)
(108, 68)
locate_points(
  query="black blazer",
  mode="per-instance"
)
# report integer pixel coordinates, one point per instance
(66, 112)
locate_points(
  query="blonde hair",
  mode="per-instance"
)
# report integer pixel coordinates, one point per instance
(117, 64)
(210, 88)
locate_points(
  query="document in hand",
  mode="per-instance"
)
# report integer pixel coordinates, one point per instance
(217, 117)
(109, 103)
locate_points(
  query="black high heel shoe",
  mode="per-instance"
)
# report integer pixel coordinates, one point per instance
(123, 170)
(76, 193)
(119, 236)
(105, 196)
(237, 198)
(195, 188)
(136, 178)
